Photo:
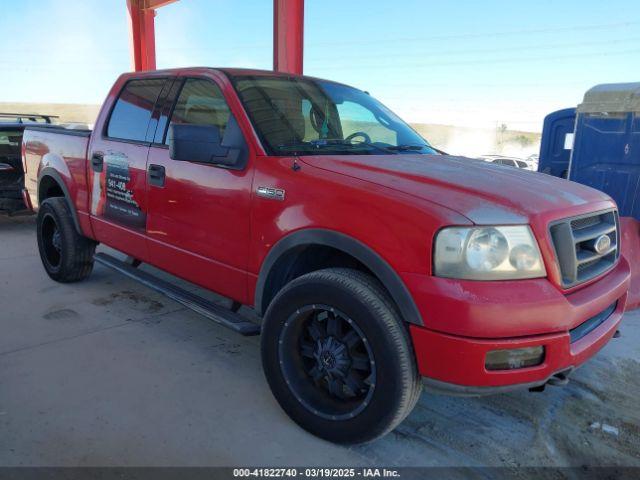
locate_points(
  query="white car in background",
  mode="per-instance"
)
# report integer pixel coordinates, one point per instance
(510, 161)
(533, 160)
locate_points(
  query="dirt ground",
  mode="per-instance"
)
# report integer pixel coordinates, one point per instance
(107, 372)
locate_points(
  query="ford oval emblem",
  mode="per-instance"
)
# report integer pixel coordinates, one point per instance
(603, 242)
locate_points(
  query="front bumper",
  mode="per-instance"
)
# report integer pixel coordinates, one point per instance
(454, 361)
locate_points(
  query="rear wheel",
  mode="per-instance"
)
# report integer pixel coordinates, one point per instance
(66, 255)
(338, 357)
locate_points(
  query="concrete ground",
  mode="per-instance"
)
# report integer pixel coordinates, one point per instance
(107, 372)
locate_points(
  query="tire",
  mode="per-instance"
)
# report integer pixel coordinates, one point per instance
(66, 255)
(321, 379)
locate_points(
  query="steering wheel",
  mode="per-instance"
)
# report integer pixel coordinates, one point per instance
(349, 139)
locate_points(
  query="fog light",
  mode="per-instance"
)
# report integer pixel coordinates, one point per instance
(512, 359)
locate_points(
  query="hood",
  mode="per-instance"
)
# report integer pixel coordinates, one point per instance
(483, 192)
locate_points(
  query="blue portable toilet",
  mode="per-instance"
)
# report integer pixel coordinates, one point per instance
(598, 144)
(557, 142)
(606, 151)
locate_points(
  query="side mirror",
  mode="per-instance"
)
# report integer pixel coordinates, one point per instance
(202, 143)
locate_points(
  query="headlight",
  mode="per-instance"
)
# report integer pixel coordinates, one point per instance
(488, 253)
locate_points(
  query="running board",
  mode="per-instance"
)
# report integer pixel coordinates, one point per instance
(204, 307)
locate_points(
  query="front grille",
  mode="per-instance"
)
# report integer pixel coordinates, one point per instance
(575, 241)
(584, 222)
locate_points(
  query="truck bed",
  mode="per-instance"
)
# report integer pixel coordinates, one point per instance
(62, 149)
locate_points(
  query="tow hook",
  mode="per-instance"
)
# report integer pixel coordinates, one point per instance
(559, 379)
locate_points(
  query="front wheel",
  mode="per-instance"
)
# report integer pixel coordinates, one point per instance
(66, 255)
(337, 356)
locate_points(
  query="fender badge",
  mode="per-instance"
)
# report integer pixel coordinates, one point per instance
(271, 193)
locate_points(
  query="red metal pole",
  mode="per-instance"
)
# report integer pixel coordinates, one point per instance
(142, 30)
(143, 45)
(288, 35)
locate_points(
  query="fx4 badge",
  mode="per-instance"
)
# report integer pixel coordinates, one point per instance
(272, 193)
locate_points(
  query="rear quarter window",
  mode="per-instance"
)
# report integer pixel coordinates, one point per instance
(132, 111)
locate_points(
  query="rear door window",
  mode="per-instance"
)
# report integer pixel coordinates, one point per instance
(131, 114)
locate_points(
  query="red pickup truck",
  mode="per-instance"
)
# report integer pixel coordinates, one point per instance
(377, 263)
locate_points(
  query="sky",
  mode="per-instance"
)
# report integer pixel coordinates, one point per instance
(463, 62)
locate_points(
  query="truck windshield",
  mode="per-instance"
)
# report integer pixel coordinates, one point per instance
(314, 117)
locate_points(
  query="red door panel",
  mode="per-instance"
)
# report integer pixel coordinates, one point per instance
(198, 221)
(198, 224)
(118, 196)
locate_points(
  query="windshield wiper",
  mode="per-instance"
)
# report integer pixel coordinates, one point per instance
(405, 148)
(306, 146)
(341, 142)
(331, 145)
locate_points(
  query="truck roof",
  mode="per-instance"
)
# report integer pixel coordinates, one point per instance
(612, 97)
(227, 71)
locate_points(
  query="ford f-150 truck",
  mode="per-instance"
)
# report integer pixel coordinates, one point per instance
(377, 264)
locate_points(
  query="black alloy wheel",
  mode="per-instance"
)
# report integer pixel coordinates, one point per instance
(51, 241)
(328, 362)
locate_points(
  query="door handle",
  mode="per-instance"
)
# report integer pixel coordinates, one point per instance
(157, 175)
(97, 162)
